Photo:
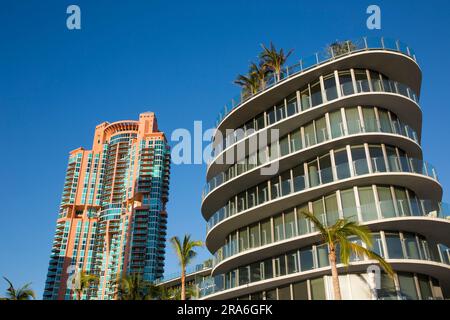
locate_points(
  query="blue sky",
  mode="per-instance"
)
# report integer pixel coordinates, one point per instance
(177, 59)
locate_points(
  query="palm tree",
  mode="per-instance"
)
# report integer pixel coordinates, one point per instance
(84, 281)
(249, 83)
(23, 293)
(134, 287)
(273, 59)
(337, 238)
(185, 255)
(260, 71)
(337, 48)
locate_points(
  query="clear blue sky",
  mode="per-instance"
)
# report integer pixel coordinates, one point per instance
(177, 59)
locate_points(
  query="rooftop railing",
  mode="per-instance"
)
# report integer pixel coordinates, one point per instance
(331, 52)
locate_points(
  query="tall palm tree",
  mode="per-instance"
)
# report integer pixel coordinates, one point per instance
(83, 281)
(337, 238)
(260, 71)
(185, 252)
(134, 287)
(23, 293)
(274, 59)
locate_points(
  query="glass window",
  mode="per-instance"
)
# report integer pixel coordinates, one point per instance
(289, 223)
(377, 244)
(385, 123)
(345, 79)
(316, 94)
(281, 111)
(286, 183)
(296, 141)
(280, 266)
(332, 209)
(241, 201)
(310, 137)
(305, 98)
(303, 223)
(292, 105)
(376, 81)
(407, 286)
(278, 228)
(284, 146)
(259, 121)
(254, 236)
(349, 205)
(411, 246)
(337, 127)
(322, 255)
(370, 122)
(313, 174)
(321, 129)
(284, 293)
(255, 272)
(326, 172)
(299, 178)
(394, 246)
(262, 193)
(306, 259)
(243, 239)
(266, 234)
(318, 289)
(243, 275)
(271, 116)
(300, 290)
(292, 262)
(394, 165)
(425, 287)
(353, 121)
(377, 158)
(362, 84)
(402, 202)
(268, 269)
(252, 197)
(367, 202)
(319, 211)
(359, 160)
(386, 202)
(341, 161)
(274, 188)
(330, 87)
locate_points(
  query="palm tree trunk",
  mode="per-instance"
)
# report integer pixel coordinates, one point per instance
(78, 295)
(334, 274)
(183, 283)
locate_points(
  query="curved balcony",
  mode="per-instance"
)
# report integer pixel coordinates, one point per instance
(380, 91)
(293, 192)
(392, 246)
(432, 268)
(390, 57)
(430, 218)
(304, 175)
(320, 139)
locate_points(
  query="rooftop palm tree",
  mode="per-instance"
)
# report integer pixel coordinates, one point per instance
(23, 293)
(134, 287)
(274, 59)
(249, 83)
(83, 281)
(337, 237)
(185, 252)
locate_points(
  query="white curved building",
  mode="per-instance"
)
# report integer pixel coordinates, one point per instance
(349, 124)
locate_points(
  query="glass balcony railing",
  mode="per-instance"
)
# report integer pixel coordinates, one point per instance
(332, 52)
(318, 177)
(352, 127)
